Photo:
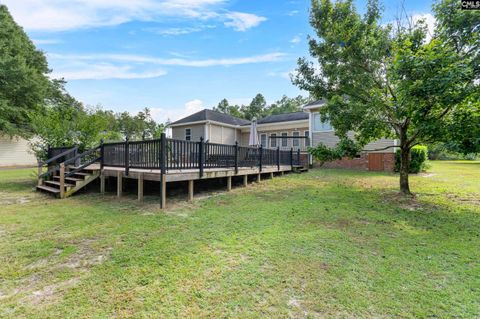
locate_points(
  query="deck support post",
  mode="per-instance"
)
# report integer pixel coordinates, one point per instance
(102, 182)
(283, 173)
(62, 180)
(119, 184)
(259, 178)
(163, 191)
(245, 180)
(190, 190)
(271, 175)
(140, 187)
(229, 183)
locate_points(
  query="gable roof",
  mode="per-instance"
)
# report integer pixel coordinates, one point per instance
(210, 115)
(314, 104)
(285, 117)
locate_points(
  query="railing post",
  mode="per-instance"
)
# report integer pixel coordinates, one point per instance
(236, 157)
(62, 180)
(291, 158)
(102, 152)
(298, 156)
(163, 153)
(127, 157)
(260, 149)
(163, 170)
(278, 157)
(201, 157)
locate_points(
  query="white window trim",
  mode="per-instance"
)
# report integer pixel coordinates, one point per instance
(273, 139)
(185, 131)
(306, 136)
(266, 139)
(313, 125)
(286, 139)
(295, 139)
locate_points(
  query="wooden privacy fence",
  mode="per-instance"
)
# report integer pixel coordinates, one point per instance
(169, 154)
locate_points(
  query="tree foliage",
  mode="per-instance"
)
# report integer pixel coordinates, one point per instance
(24, 84)
(259, 108)
(390, 80)
(67, 122)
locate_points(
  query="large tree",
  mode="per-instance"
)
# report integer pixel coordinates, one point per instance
(390, 80)
(24, 84)
(225, 107)
(256, 109)
(288, 105)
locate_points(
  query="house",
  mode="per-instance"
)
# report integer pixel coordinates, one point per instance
(216, 127)
(297, 131)
(14, 151)
(379, 155)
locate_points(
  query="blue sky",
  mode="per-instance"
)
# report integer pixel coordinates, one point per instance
(174, 56)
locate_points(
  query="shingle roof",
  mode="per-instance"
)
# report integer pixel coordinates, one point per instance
(317, 102)
(210, 115)
(286, 117)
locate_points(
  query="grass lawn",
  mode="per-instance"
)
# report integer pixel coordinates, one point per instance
(328, 243)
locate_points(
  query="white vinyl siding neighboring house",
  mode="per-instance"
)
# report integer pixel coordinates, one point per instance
(15, 152)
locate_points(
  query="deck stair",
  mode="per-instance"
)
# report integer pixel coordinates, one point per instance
(76, 173)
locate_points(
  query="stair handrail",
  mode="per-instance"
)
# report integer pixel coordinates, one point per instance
(41, 175)
(73, 149)
(82, 166)
(86, 153)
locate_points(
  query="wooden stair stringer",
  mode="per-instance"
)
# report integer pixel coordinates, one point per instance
(81, 184)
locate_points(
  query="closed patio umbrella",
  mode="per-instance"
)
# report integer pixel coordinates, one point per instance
(253, 140)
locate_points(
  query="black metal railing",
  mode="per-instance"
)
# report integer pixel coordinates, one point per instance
(171, 154)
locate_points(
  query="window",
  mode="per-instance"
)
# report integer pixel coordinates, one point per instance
(284, 140)
(320, 126)
(273, 140)
(296, 141)
(307, 138)
(188, 134)
(263, 140)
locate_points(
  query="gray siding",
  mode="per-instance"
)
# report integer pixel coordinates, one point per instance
(198, 130)
(330, 139)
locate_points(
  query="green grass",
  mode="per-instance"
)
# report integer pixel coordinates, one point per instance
(329, 243)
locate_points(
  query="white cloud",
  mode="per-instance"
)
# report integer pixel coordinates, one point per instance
(56, 15)
(296, 40)
(293, 12)
(162, 115)
(285, 75)
(240, 21)
(179, 31)
(271, 57)
(103, 71)
(429, 20)
(45, 41)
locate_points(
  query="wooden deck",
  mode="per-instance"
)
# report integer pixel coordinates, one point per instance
(189, 175)
(165, 161)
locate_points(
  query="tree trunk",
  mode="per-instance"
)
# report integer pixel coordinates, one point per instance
(404, 164)
(404, 170)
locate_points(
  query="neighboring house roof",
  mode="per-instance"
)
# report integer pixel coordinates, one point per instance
(210, 115)
(314, 104)
(285, 117)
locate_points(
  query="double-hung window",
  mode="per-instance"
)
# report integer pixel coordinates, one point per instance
(273, 140)
(319, 126)
(188, 134)
(284, 140)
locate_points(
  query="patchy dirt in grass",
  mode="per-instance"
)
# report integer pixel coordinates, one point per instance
(36, 287)
(12, 199)
(50, 293)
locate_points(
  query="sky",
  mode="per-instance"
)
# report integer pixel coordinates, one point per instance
(175, 57)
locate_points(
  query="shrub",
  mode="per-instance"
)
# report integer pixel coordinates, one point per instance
(418, 159)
